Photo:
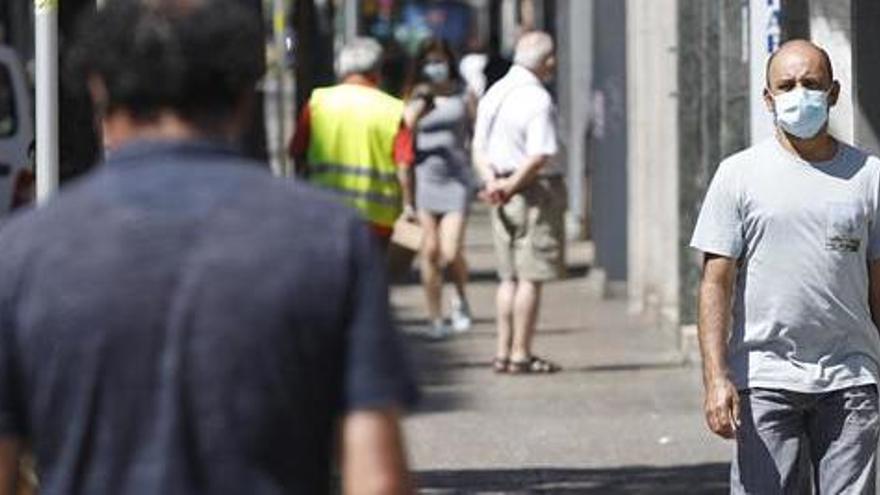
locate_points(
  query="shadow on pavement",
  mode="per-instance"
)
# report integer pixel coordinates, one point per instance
(429, 360)
(421, 321)
(614, 368)
(701, 479)
(411, 277)
(599, 368)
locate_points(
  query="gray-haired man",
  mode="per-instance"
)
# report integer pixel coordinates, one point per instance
(355, 140)
(792, 224)
(514, 145)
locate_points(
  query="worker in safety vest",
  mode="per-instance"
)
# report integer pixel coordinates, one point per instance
(355, 140)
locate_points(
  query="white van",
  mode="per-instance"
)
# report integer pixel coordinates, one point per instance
(16, 127)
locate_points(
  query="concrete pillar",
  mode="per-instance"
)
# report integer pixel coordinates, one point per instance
(699, 129)
(734, 82)
(574, 51)
(847, 30)
(866, 73)
(714, 90)
(564, 88)
(606, 137)
(831, 28)
(653, 223)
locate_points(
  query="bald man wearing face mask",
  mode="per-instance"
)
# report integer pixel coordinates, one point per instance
(790, 295)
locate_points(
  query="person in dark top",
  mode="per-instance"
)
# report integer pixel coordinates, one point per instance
(179, 322)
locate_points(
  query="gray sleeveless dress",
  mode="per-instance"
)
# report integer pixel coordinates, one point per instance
(444, 180)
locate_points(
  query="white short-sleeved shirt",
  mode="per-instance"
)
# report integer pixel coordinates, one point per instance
(516, 119)
(803, 234)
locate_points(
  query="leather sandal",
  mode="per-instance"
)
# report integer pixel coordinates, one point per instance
(533, 364)
(500, 364)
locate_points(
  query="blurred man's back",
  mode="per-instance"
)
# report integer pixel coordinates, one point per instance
(166, 326)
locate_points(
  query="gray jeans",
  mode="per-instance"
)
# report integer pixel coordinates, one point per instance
(789, 441)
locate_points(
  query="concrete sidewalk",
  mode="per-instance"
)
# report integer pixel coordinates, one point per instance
(623, 417)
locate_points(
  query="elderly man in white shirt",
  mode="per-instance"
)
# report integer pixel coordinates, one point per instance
(514, 145)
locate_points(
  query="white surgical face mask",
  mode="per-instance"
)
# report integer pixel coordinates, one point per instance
(437, 72)
(801, 112)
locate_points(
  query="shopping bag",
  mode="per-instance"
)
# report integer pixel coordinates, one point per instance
(406, 240)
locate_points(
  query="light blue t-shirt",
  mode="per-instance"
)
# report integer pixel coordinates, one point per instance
(803, 234)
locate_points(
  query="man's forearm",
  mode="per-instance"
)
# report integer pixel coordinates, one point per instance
(481, 163)
(713, 329)
(527, 172)
(373, 457)
(721, 400)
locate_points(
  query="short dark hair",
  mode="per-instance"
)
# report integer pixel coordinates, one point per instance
(197, 58)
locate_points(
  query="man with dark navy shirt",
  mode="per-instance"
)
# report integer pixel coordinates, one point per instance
(165, 327)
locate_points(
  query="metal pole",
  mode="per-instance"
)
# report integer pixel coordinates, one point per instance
(46, 23)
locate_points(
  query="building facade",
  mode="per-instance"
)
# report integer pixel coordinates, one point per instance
(653, 94)
(695, 78)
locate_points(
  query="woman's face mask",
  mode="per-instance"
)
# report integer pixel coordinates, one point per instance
(801, 112)
(436, 72)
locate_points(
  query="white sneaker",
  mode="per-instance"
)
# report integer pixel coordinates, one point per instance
(438, 330)
(460, 316)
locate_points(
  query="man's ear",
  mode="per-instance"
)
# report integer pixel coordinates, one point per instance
(833, 94)
(768, 101)
(98, 92)
(100, 98)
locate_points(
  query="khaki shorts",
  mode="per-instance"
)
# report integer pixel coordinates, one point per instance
(529, 232)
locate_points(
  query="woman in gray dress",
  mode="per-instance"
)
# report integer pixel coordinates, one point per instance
(443, 180)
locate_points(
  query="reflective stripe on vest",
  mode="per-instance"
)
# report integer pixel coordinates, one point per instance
(351, 148)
